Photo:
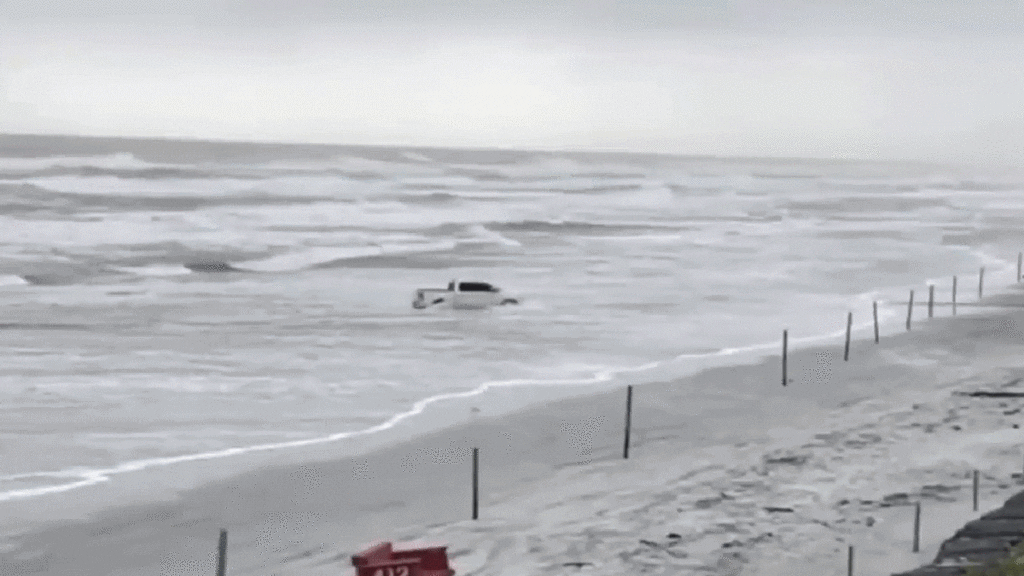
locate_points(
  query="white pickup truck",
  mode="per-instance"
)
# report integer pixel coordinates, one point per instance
(462, 295)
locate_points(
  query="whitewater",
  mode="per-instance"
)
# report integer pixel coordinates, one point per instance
(170, 302)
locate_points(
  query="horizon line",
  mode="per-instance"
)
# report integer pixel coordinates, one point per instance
(420, 147)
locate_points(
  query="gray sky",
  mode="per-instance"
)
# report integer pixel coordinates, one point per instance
(934, 79)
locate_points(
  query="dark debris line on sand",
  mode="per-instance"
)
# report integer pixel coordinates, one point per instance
(979, 542)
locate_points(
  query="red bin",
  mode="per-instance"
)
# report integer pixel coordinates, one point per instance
(383, 560)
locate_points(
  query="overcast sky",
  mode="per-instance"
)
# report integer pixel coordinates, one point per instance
(933, 79)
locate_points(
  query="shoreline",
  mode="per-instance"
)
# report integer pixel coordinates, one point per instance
(415, 421)
(490, 399)
(278, 514)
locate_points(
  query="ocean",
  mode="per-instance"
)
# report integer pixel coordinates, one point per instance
(171, 301)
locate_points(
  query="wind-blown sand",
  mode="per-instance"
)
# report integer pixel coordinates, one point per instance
(744, 478)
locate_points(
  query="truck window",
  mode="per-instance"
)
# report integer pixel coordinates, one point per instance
(475, 287)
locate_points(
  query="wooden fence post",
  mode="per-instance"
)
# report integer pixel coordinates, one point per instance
(785, 346)
(910, 308)
(849, 325)
(476, 483)
(917, 527)
(874, 308)
(629, 417)
(222, 553)
(975, 490)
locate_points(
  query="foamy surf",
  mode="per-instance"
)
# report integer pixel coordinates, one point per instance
(120, 160)
(155, 270)
(322, 256)
(306, 258)
(482, 234)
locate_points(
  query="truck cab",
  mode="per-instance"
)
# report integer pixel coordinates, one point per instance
(462, 295)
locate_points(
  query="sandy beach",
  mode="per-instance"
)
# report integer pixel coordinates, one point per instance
(746, 478)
